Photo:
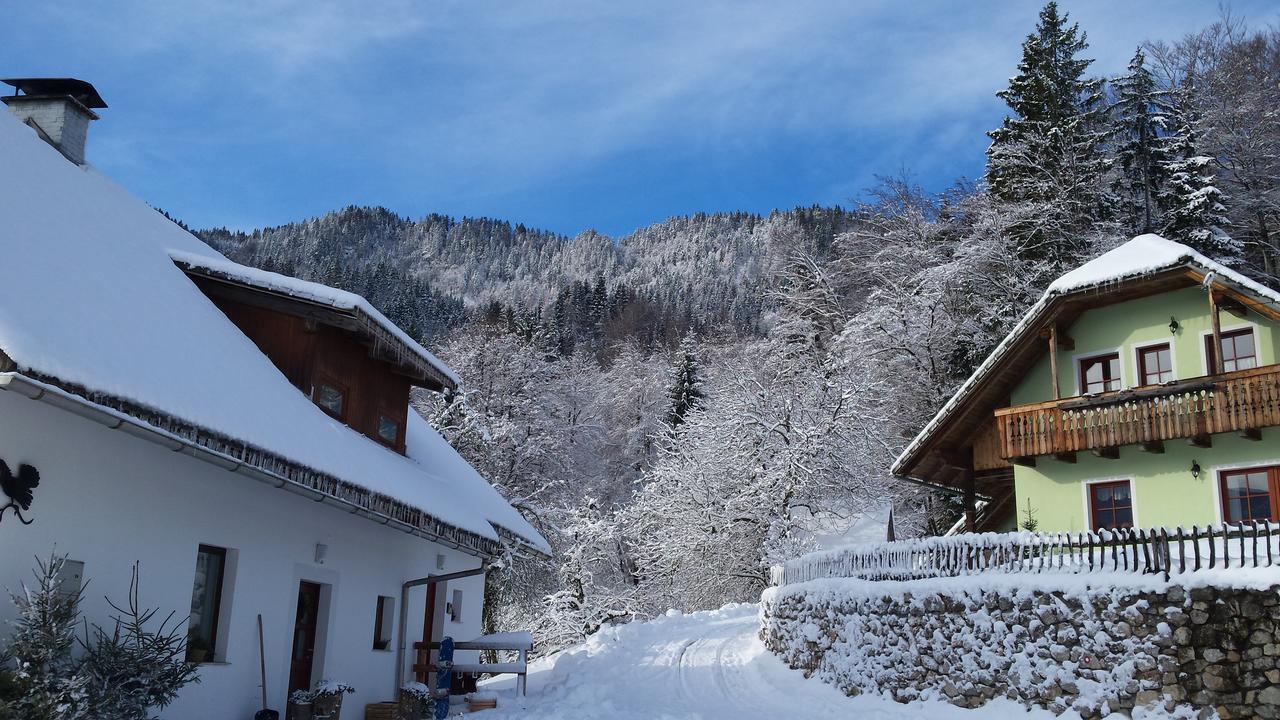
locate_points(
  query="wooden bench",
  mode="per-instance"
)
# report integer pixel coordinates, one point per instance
(517, 642)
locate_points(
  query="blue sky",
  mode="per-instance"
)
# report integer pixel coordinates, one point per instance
(563, 115)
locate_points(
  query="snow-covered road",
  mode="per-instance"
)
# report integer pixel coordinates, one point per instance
(703, 666)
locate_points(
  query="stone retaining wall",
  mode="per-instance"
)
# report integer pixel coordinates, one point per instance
(1094, 650)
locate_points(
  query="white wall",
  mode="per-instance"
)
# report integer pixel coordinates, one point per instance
(109, 499)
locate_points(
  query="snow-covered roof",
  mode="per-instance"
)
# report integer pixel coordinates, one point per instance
(1142, 256)
(311, 292)
(91, 299)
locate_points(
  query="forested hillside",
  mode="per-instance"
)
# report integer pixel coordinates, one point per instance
(684, 406)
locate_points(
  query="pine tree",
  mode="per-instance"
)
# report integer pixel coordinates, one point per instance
(1140, 116)
(1049, 152)
(686, 384)
(1196, 214)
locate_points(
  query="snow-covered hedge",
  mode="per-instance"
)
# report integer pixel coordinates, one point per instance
(1095, 644)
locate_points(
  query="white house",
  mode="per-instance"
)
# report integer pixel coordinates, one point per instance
(244, 436)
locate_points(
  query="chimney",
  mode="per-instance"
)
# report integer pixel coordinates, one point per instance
(59, 109)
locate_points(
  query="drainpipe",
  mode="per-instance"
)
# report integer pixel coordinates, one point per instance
(404, 611)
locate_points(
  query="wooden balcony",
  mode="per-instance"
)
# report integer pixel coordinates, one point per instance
(1244, 401)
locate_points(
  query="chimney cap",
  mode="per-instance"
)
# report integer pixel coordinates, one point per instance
(83, 92)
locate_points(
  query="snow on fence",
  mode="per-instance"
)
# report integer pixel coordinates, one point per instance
(1155, 551)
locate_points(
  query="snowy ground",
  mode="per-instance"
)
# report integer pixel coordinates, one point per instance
(704, 666)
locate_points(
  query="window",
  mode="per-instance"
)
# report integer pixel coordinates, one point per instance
(206, 604)
(455, 607)
(1250, 494)
(332, 398)
(382, 620)
(1155, 364)
(1110, 505)
(388, 430)
(1100, 374)
(1239, 352)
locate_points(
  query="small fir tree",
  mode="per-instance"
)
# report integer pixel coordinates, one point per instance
(686, 383)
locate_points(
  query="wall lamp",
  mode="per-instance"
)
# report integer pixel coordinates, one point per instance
(1173, 325)
(1195, 470)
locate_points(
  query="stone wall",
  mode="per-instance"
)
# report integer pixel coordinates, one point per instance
(1095, 650)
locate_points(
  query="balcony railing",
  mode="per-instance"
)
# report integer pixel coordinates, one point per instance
(1243, 401)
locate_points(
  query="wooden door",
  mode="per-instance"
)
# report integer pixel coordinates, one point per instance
(304, 636)
(428, 628)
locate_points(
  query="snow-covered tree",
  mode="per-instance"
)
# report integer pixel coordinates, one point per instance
(1048, 153)
(1140, 127)
(1196, 214)
(686, 382)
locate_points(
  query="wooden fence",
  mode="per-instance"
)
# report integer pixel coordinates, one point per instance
(1159, 551)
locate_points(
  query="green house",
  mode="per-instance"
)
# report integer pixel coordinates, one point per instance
(1142, 390)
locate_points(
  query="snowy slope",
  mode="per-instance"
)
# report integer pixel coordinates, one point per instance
(90, 295)
(703, 666)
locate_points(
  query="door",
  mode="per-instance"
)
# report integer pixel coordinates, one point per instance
(425, 654)
(304, 636)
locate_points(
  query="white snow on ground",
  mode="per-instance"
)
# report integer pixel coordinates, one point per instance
(702, 666)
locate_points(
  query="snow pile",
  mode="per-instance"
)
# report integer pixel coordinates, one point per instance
(91, 296)
(700, 666)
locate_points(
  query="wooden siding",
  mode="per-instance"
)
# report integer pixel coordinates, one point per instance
(1245, 400)
(987, 448)
(306, 351)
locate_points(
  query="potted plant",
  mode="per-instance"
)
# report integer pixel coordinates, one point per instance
(415, 702)
(327, 702)
(299, 707)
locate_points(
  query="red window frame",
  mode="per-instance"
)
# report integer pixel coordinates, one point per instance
(1109, 383)
(1113, 507)
(1160, 374)
(1273, 494)
(1232, 337)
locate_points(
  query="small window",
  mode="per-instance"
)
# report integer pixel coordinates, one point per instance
(1155, 364)
(382, 621)
(388, 430)
(455, 607)
(1239, 351)
(1111, 505)
(1100, 374)
(332, 398)
(206, 604)
(1250, 494)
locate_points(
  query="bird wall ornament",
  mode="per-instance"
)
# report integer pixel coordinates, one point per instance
(19, 489)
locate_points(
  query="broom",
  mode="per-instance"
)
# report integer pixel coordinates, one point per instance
(264, 713)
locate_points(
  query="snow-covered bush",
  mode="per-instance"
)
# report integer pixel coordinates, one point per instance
(50, 672)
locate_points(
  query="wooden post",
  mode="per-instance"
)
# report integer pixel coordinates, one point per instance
(1053, 360)
(970, 501)
(1217, 333)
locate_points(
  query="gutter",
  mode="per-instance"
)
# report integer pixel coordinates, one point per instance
(115, 420)
(401, 635)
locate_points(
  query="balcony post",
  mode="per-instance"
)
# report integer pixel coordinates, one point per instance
(970, 501)
(1053, 360)
(1217, 333)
